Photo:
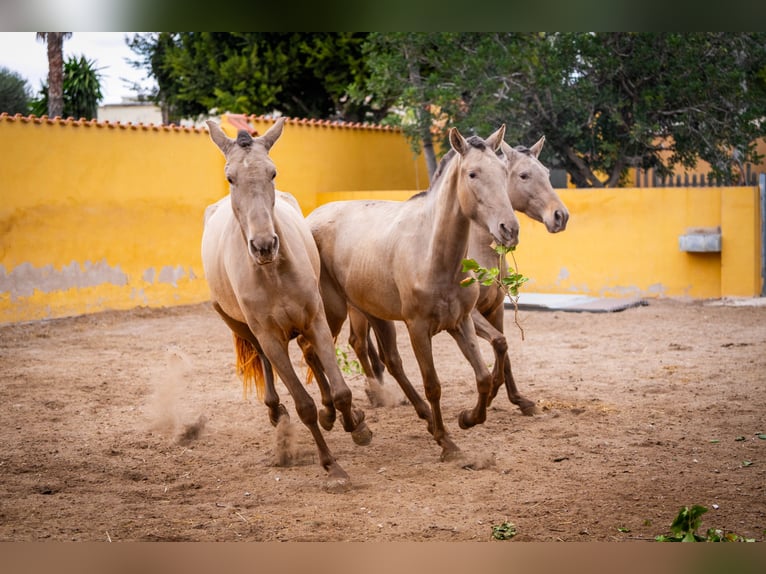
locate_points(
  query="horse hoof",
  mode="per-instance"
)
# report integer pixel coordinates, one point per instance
(326, 419)
(362, 435)
(464, 420)
(528, 408)
(337, 482)
(281, 412)
(451, 454)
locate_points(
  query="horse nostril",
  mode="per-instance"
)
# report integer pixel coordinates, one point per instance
(510, 234)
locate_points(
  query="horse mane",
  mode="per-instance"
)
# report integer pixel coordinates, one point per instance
(473, 141)
(244, 139)
(523, 149)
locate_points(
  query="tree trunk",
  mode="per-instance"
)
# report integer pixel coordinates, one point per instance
(55, 41)
(423, 116)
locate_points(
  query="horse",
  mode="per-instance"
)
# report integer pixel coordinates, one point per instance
(262, 267)
(402, 261)
(531, 193)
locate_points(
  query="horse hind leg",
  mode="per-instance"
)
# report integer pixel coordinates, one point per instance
(327, 414)
(271, 399)
(360, 340)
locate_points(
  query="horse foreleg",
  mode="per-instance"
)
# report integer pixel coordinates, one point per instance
(318, 334)
(495, 320)
(465, 336)
(385, 332)
(499, 345)
(276, 352)
(271, 399)
(420, 337)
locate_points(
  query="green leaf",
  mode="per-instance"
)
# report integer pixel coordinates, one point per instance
(504, 531)
(746, 463)
(762, 436)
(469, 265)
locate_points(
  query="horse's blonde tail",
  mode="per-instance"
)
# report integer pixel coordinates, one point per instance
(249, 367)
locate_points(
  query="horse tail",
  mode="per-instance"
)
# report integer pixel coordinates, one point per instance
(310, 376)
(249, 367)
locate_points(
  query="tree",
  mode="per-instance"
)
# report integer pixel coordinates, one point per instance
(14, 92)
(297, 74)
(55, 43)
(605, 101)
(81, 90)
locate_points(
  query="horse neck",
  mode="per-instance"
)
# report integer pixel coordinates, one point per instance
(448, 242)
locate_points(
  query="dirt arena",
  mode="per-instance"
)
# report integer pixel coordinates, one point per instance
(131, 426)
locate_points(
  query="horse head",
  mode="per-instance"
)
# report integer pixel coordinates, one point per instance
(483, 181)
(250, 173)
(530, 189)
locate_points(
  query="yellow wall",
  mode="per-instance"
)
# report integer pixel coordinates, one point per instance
(103, 216)
(315, 157)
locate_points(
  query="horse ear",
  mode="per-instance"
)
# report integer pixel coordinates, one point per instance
(272, 135)
(538, 147)
(496, 139)
(457, 141)
(218, 136)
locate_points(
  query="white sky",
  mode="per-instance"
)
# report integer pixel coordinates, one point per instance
(21, 52)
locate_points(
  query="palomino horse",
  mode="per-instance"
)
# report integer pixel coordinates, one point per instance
(531, 193)
(262, 267)
(401, 261)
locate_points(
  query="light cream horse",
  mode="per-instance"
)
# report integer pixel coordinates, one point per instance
(531, 193)
(262, 267)
(402, 261)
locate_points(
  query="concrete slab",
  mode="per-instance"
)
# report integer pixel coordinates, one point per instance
(575, 303)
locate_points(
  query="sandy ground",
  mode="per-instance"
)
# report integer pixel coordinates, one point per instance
(132, 426)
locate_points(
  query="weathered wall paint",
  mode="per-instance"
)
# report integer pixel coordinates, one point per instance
(105, 216)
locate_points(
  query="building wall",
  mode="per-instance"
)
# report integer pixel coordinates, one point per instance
(136, 113)
(98, 216)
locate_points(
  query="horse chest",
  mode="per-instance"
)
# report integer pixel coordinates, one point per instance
(445, 308)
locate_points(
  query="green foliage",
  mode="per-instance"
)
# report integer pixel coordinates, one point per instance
(509, 282)
(684, 529)
(15, 93)
(82, 90)
(296, 73)
(603, 100)
(504, 531)
(348, 366)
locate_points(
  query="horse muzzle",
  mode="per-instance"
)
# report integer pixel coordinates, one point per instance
(507, 235)
(264, 251)
(558, 221)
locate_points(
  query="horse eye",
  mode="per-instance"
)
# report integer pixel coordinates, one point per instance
(273, 175)
(472, 174)
(229, 179)
(524, 176)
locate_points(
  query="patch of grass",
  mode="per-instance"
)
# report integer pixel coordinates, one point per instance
(504, 531)
(348, 366)
(685, 525)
